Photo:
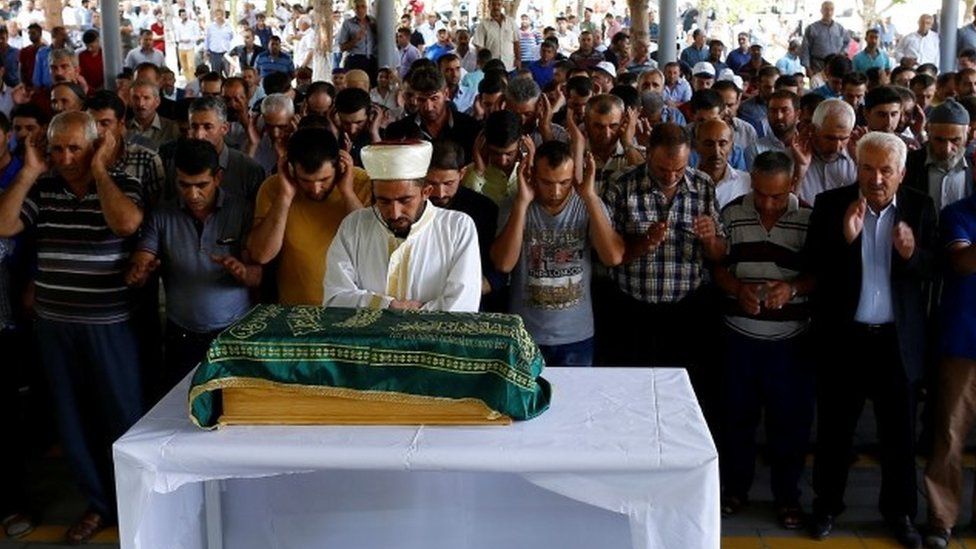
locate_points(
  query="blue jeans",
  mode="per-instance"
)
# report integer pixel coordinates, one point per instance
(579, 353)
(94, 375)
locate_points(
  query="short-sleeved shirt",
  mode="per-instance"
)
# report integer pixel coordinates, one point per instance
(958, 221)
(499, 38)
(350, 28)
(309, 231)
(201, 296)
(266, 64)
(676, 267)
(551, 281)
(81, 263)
(757, 255)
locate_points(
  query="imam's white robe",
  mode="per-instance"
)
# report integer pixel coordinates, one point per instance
(438, 264)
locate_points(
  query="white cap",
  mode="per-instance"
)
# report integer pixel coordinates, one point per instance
(606, 67)
(397, 161)
(703, 67)
(727, 74)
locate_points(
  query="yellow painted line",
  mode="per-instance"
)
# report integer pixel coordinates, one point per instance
(49, 533)
(802, 542)
(741, 542)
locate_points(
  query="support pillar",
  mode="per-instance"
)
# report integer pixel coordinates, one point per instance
(386, 21)
(668, 37)
(948, 25)
(111, 41)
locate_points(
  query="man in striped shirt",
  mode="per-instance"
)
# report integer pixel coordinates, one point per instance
(84, 216)
(766, 318)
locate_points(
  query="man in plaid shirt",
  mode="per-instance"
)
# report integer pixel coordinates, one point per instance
(667, 214)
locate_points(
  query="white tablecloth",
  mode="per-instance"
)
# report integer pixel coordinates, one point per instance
(621, 459)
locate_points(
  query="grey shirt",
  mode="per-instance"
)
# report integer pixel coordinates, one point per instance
(821, 40)
(948, 186)
(201, 296)
(823, 175)
(350, 28)
(966, 38)
(551, 281)
(768, 142)
(241, 175)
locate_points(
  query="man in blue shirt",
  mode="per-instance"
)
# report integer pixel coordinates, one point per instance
(443, 46)
(737, 58)
(274, 60)
(198, 241)
(543, 68)
(10, 58)
(834, 73)
(696, 52)
(872, 55)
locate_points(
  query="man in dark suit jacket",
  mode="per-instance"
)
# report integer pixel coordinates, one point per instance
(940, 169)
(871, 248)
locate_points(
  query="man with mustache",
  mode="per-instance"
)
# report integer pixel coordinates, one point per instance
(403, 252)
(940, 168)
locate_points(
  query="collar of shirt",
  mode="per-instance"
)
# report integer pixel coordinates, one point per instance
(892, 207)
(840, 156)
(450, 120)
(731, 175)
(156, 124)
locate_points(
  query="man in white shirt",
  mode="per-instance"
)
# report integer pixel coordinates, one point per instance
(403, 252)
(217, 40)
(187, 38)
(146, 52)
(429, 29)
(713, 141)
(499, 34)
(922, 45)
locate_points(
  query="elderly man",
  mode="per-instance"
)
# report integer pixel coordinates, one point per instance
(147, 128)
(940, 169)
(766, 362)
(607, 133)
(921, 45)
(298, 211)
(823, 162)
(871, 250)
(821, 39)
(205, 292)
(435, 118)
(403, 252)
(713, 142)
(278, 117)
(668, 217)
(84, 216)
(208, 121)
(499, 34)
(67, 97)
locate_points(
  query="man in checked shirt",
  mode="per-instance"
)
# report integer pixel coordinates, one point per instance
(667, 214)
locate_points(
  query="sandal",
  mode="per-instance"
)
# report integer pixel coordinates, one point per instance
(790, 517)
(17, 525)
(85, 529)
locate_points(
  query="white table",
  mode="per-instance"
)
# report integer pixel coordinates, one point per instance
(621, 459)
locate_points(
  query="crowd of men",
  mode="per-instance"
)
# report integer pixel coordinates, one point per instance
(798, 235)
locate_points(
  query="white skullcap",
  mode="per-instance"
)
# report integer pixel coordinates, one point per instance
(397, 161)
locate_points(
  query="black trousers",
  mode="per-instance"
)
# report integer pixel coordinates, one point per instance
(13, 459)
(865, 363)
(368, 64)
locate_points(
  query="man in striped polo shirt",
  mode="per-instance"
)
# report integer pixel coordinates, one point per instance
(766, 318)
(84, 217)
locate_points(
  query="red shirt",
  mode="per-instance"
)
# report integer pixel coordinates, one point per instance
(160, 45)
(28, 56)
(91, 69)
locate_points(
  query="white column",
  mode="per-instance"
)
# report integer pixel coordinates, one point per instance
(948, 25)
(668, 37)
(386, 20)
(111, 41)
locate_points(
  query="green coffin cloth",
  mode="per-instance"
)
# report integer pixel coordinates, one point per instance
(485, 356)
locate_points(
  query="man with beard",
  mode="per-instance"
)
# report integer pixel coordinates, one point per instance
(278, 117)
(823, 162)
(738, 57)
(782, 115)
(754, 110)
(403, 252)
(940, 168)
(298, 211)
(742, 132)
(586, 56)
(435, 118)
(497, 153)
(444, 175)
(713, 142)
(607, 132)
